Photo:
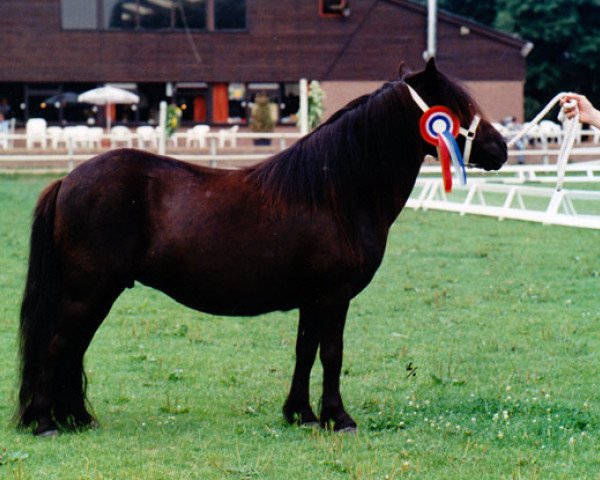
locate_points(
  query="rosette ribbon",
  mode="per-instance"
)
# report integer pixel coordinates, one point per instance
(439, 127)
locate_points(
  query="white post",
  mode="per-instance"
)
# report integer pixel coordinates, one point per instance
(162, 122)
(431, 30)
(70, 152)
(545, 157)
(213, 152)
(303, 112)
(108, 113)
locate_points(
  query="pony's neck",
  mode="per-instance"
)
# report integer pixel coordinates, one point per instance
(363, 160)
(387, 151)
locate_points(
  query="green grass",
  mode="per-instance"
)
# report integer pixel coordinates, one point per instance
(500, 319)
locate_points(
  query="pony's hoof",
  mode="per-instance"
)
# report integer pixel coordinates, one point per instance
(310, 425)
(299, 415)
(338, 422)
(46, 428)
(88, 425)
(347, 430)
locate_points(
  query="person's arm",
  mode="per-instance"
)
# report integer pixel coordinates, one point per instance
(587, 112)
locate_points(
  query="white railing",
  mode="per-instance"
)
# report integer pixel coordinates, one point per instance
(503, 194)
(214, 141)
(582, 172)
(217, 150)
(500, 194)
(518, 202)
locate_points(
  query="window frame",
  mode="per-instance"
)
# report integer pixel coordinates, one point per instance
(101, 21)
(337, 14)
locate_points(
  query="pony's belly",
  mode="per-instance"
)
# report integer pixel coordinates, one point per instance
(230, 298)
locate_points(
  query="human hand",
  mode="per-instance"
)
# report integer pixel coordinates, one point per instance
(587, 112)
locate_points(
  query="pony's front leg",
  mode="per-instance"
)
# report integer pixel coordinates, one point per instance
(331, 331)
(297, 406)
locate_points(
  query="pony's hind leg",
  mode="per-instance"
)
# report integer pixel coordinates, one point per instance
(81, 311)
(297, 406)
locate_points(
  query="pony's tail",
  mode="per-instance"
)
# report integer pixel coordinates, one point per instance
(40, 302)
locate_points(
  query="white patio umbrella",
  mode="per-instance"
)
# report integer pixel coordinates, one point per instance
(108, 96)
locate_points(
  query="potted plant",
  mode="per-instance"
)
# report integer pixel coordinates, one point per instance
(316, 107)
(173, 119)
(262, 118)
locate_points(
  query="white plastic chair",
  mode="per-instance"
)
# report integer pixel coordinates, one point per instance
(95, 135)
(35, 132)
(120, 134)
(228, 135)
(7, 128)
(77, 136)
(552, 131)
(55, 137)
(534, 134)
(146, 135)
(197, 135)
(171, 141)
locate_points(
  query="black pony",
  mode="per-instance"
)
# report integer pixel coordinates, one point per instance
(305, 229)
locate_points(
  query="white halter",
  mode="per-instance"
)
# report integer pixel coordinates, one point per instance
(469, 133)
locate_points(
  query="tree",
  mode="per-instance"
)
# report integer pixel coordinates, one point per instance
(482, 11)
(566, 38)
(566, 54)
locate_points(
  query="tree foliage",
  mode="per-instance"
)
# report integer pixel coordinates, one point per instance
(566, 38)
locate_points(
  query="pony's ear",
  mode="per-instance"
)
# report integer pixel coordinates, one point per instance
(403, 70)
(431, 67)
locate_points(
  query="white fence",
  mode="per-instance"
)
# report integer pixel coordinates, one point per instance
(212, 142)
(217, 149)
(503, 194)
(573, 208)
(582, 172)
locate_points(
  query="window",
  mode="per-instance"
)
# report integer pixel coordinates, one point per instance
(120, 14)
(77, 15)
(237, 104)
(191, 14)
(334, 8)
(153, 14)
(230, 14)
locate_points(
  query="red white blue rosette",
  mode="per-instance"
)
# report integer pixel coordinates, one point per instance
(439, 127)
(437, 120)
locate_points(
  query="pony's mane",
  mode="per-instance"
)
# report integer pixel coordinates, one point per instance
(352, 158)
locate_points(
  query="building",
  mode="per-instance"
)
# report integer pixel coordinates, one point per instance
(213, 56)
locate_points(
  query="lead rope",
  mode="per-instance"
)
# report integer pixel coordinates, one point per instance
(568, 140)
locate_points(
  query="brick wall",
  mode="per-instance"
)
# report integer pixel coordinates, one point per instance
(497, 99)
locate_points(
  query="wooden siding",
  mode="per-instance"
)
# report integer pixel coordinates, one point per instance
(284, 40)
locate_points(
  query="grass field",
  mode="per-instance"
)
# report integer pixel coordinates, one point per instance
(501, 321)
